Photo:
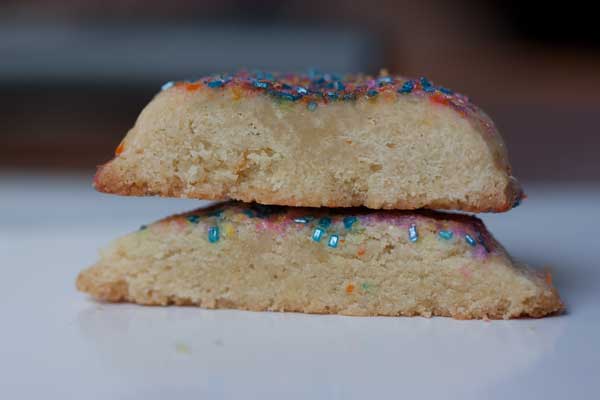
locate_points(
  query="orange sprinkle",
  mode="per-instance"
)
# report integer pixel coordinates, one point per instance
(190, 87)
(120, 148)
(549, 278)
(361, 251)
(439, 98)
(350, 288)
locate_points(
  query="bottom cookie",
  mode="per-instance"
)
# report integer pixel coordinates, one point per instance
(344, 261)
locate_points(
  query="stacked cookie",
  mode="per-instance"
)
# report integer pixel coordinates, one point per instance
(324, 175)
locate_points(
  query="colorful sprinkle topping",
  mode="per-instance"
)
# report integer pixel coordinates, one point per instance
(341, 228)
(315, 88)
(413, 235)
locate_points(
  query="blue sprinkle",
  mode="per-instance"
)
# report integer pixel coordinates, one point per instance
(332, 95)
(167, 85)
(143, 227)
(213, 234)
(285, 96)
(269, 76)
(340, 86)
(318, 234)
(331, 85)
(445, 90)
(285, 86)
(333, 241)
(407, 87)
(413, 235)
(301, 90)
(385, 80)
(312, 106)
(248, 213)
(372, 93)
(325, 222)
(469, 239)
(194, 219)
(303, 220)
(424, 82)
(215, 84)
(261, 85)
(350, 96)
(446, 235)
(349, 221)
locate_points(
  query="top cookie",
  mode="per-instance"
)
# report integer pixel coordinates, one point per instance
(315, 140)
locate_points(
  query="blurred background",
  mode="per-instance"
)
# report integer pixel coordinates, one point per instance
(75, 74)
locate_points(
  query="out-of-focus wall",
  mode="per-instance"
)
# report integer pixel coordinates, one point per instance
(74, 75)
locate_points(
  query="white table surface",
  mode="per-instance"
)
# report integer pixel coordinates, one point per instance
(56, 343)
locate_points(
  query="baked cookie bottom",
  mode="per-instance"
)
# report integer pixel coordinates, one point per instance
(351, 262)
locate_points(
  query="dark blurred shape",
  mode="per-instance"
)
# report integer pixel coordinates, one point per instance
(74, 75)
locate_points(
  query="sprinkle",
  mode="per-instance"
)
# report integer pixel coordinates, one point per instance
(301, 90)
(318, 234)
(349, 221)
(325, 222)
(407, 87)
(248, 213)
(333, 241)
(285, 96)
(427, 86)
(361, 251)
(469, 239)
(332, 95)
(143, 228)
(340, 86)
(261, 85)
(384, 80)
(194, 219)
(445, 91)
(350, 96)
(302, 220)
(312, 106)
(413, 235)
(213, 234)
(366, 286)
(216, 83)
(349, 288)
(120, 148)
(372, 93)
(446, 235)
(167, 85)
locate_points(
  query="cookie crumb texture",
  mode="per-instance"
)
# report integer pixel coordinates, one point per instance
(348, 261)
(316, 141)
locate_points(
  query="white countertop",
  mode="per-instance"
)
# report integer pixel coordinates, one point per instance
(55, 343)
